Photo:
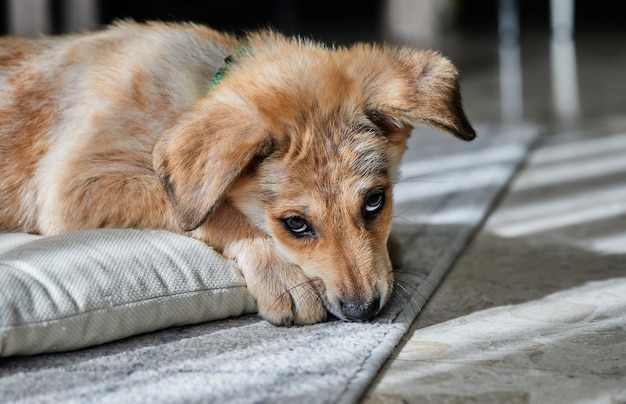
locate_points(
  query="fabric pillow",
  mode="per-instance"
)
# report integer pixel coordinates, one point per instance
(89, 287)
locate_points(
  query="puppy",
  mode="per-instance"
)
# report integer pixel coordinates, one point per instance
(279, 153)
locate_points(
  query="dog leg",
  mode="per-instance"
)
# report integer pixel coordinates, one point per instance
(285, 296)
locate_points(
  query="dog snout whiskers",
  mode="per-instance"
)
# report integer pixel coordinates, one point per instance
(360, 312)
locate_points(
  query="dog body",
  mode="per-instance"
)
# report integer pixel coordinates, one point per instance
(282, 158)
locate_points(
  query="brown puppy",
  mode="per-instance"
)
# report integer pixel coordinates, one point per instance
(282, 159)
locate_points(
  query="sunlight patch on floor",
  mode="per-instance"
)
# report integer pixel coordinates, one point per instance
(457, 216)
(575, 171)
(554, 213)
(579, 149)
(424, 168)
(451, 182)
(609, 244)
(577, 161)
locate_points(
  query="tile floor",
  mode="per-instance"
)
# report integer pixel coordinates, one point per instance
(535, 309)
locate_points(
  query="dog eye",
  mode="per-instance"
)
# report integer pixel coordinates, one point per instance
(298, 226)
(373, 204)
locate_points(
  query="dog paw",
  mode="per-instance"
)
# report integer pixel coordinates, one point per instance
(293, 303)
(284, 295)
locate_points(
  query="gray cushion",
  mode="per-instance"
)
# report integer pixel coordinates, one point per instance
(89, 287)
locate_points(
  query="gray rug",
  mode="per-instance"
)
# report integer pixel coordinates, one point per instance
(448, 189)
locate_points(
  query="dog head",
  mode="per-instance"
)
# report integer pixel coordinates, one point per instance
(306, 142)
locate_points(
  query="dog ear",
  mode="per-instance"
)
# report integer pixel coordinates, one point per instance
(420, 88)
(200, 159)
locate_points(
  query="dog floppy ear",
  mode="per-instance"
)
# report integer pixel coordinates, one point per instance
(200, 159)
(420, 88)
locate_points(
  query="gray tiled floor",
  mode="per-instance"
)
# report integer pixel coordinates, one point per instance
(535, 309)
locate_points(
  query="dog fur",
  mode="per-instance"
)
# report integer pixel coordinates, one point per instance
(284, 163)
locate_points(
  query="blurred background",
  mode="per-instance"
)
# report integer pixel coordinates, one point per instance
(345, 20)
(505, 49)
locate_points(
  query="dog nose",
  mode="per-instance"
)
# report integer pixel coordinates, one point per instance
(360, 312)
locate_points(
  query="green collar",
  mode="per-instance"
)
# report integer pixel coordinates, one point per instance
(229, 62)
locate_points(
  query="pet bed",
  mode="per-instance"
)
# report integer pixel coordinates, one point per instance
(84, 288)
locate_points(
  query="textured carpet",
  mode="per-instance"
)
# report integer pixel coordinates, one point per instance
(448, 189)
